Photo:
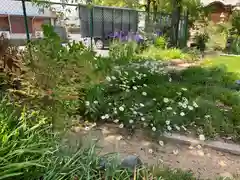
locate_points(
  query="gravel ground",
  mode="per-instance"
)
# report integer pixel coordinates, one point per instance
(203, 162)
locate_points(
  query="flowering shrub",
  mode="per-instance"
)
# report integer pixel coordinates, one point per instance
(145, 94)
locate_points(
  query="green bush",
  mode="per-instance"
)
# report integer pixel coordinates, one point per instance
(154, 53)
(123, 51)
(236, 21)
(144, 94)
(160, 42)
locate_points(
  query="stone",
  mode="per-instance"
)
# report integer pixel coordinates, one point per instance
(131, 162)
(222, 163)
(200, 153)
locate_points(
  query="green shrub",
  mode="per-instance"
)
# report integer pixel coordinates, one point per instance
(26, 139)
(144, 94)
(236, 21)
(154, 53)
(160, 42)
(218, 34)
(122, 51)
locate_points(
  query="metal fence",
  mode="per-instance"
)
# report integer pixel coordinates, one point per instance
(94, 21)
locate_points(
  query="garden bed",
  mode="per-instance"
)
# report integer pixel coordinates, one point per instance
(203, 100)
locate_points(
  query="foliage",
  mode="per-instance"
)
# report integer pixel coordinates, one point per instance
(25, 140)
(10, 66)
(160, 42)
(234, 45)
(236, 21)
(123, 51)
(218, 34)
(164, 54)
(144, 94)
(201, 38)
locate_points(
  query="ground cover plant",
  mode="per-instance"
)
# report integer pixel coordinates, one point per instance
(156, 53)
(145, 94)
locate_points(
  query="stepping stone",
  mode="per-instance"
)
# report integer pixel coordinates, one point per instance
(131, 162)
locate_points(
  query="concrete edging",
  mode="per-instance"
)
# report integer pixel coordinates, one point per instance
(230, 55)
(216, 145)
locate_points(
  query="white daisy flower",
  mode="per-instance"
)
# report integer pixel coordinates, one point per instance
(169, 108)
(190, 108)
(154, 129)
(154, 99)
(141, 104)
(184, 89)
(184, 105)
(102, 117)
(108, 78)
(182, 114)
(165, 100)
(121, 125)
(179, 93)
(116, 121)
(195, 104)
(95, 102)
(106, 116)
(144, 85)
(167, 122)
(134, 87)
(169, 128)
(113, 77)
(144, 93)
(161, 143)
(142, 119)
(207, 116)
(87, 103)
(121, 108)
(131, 121)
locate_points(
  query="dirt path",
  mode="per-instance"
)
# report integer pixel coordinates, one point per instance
(204, 162)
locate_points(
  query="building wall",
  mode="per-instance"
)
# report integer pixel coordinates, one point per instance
(217, 9)
(37, 24)
(4, 25)
(18, 25)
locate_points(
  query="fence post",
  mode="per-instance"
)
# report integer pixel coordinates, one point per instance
(91, 26)
(25, 20)
(186, 27)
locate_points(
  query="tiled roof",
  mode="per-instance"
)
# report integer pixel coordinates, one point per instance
(12, 7)
(225, 2)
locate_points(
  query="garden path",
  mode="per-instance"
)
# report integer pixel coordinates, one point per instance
(203, 162)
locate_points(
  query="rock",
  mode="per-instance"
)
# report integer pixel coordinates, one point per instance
(131, 162)
(200, 153)
(103, 163)
(222, 163)
(226, 175)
